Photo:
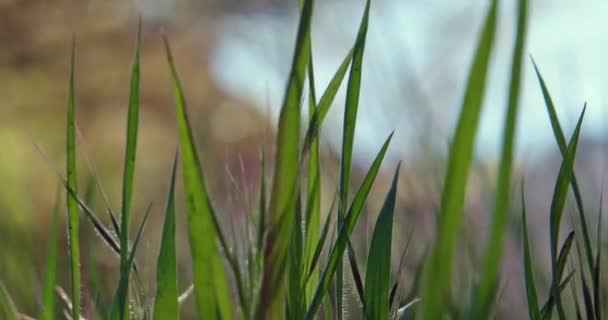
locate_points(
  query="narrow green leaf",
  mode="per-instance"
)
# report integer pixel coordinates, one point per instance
(262, 208)
(377, 276)
(493, 255)
(123, 282)
(320, 243)
(165, 303)
(128, 175)
(7, 306)
(71, 182)
(48, 297)
(354, 268)
(545, 311)
(557, 206)
(438, 272)
(326, 101)
(349, 224)
(597, 301)
(560, 138)
(282, 202)
(210, 284)
(533, 310)
(348, 135)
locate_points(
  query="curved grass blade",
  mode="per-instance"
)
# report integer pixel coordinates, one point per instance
(354, 269)
(560, 138)
(128, 177)
(48, 298)
(493, 255)
(348, 135)
(166, 301)
(349, 224)
(533, 310)
(546, 310)
(210, 284)
(438, 273)
(377, 275)
(71, 182)
(282, 204)
(557, 206)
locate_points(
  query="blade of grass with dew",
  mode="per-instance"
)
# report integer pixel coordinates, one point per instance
(438, 273)
(166, 304)
(494, 250)
(560, 138)
(378, 272)
(122, 296)
(533, 310)
(210, 283)
(557, 206)
(348, 136)
(7, 305)
(282, 203)
(48, 297)
(350, 220)
(123, 285)
(71, 182)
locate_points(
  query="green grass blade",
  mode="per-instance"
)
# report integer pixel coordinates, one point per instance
(349, 224)
(122, 291)
(128, 175)
(547, 308)
(326, 101)
(493, 255)
(354, 269)
(262, 209)
(557, 206)
(166, 304)
(320, 243)
(295, 276)
(597, 301)
(378, 272)
(210, 284)
(282, 202)
(7, 306)
(560, 138)
(439, 269)
(348, 135)
(533, 310)
(71, 182)
(48, 296)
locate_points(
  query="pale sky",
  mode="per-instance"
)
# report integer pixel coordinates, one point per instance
(417, 56)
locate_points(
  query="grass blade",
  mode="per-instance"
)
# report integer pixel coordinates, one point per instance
(349, 224)
(557, 206)
(348, 135)
(560, 138)
(165, 303)
(533, 310)
(377, 275)
(354, 269)
(123, 282)
(438, 273)
(320, 242)
(493, 254)
(71, 182)
(326, 101)
(7, 305)
(597, 303)
(282, 202)
(210, 284)
(48, 297)
(128, 177)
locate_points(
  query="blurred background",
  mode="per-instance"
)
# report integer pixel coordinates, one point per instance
(233, 58)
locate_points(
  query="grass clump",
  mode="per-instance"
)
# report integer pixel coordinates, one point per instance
(285, 275)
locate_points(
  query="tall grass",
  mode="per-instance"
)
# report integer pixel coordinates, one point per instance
(285, 274)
